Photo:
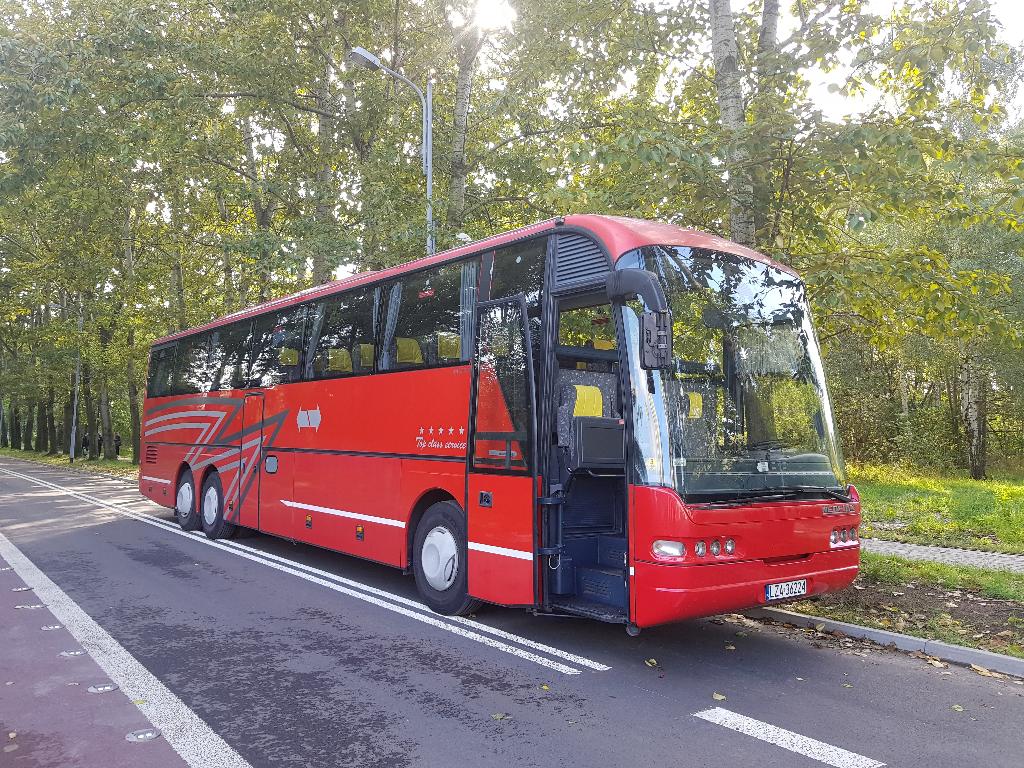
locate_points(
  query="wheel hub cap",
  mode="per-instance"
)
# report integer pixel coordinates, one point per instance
(210, 505)
(440, 558)
(183, 503)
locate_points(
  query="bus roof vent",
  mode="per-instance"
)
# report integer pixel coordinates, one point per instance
(579, 259)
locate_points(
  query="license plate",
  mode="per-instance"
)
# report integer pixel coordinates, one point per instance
(785, 589)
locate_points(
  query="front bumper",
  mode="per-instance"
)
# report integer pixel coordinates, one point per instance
(664, 593)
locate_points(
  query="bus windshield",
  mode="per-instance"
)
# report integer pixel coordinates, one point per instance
(743, 412)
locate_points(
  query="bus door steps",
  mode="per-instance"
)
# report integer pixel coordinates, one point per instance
(611, 551)
(599, 611)
(601, 585)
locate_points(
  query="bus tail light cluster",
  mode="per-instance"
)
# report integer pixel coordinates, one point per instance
(842, 536)
(666, 548)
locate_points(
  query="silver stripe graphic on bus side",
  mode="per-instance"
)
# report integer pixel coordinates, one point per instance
(490, 549)
(156, 480)
(182, 425)
(343, 513)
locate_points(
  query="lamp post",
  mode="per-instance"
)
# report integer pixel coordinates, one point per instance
(364, 58)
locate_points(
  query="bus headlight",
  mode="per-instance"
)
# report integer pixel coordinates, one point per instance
(667, 548)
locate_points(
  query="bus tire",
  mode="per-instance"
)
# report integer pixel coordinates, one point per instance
(185, 511)
(211, 503)
(439, 558)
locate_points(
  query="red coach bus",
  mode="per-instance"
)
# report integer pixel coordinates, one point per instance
(593, 415)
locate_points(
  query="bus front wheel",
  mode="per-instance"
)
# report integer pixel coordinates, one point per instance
(185, 502)
(212, 506)
(440, 558)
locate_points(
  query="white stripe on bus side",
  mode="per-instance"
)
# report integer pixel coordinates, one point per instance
(490, 549)
(343, 513)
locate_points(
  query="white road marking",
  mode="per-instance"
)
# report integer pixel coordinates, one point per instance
(343, 513)
(196, 743)
(490, 549)
(794, 742)
(457, 625)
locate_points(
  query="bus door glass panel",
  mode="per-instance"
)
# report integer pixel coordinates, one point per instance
(246, 488)
(501, 484)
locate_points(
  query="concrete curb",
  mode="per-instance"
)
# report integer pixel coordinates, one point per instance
(957, 654)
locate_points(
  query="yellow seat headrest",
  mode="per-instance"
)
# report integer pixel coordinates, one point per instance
(366, 355)
(339, 360)
(588, 401)
(409, 352)
(449, 346)
(288, 356)
(603, 344)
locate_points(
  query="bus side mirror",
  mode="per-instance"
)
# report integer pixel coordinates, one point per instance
(655, 323)
(655, 340)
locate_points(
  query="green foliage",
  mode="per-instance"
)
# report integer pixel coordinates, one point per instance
(942, 509)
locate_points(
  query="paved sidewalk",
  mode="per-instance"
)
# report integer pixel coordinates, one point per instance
(974, 558)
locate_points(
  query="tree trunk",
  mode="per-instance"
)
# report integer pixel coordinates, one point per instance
(974, 385)
(326, 197)
(90, 413)
(5, 429)
(732, 115)
(42, 442)
(26, 431)
(469, 48)
(105, 421)
(133, 400)
(66, 431)
(51, 424)
(14, 419)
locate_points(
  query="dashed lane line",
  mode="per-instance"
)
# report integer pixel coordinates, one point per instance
(196, 743)
(381, 598)
(794, 742)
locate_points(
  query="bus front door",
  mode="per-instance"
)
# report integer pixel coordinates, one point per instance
(250, 442)
(502, 484)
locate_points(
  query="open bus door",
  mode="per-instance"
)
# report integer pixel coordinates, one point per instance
(502, 481)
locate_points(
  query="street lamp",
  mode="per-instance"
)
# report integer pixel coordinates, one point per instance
(363, 58)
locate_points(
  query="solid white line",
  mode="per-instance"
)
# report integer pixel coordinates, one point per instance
(490, 549)
(196, 743)
(794, 742)
(343, 513)
(156, 479)
(389, 602)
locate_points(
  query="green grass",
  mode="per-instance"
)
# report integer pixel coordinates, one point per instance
(913, 506)
(117, 468)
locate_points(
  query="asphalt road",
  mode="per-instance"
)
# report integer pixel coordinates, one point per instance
(261, 652)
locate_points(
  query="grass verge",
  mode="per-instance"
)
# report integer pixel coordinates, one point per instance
(965, 606)
(954, 511)
(122, 468)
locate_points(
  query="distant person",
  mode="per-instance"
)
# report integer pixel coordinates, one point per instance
(85, 443)
(99, 444)
(117, 445)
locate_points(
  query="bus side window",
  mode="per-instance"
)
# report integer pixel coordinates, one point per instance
(227, 355)
(428, 320)
(520, 269)
(191, 365)
(276, 348)
(341, 336)
(161, 365)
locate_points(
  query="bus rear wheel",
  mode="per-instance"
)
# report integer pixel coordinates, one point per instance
(212, 506)
(440, 558)
(185, 502)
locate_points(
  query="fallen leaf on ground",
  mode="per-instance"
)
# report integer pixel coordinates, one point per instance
(985, 672)
(501, 716)
(847, 685)
(937, 663)
(718, 696)
(12, 735)
(819, 627)
(545, 687)
(730, 647)
(957, 708)
(651, 662)
(138, 702)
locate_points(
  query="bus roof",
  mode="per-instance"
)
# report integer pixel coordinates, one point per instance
(620, 235)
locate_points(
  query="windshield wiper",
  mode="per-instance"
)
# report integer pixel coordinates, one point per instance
(777, 492)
